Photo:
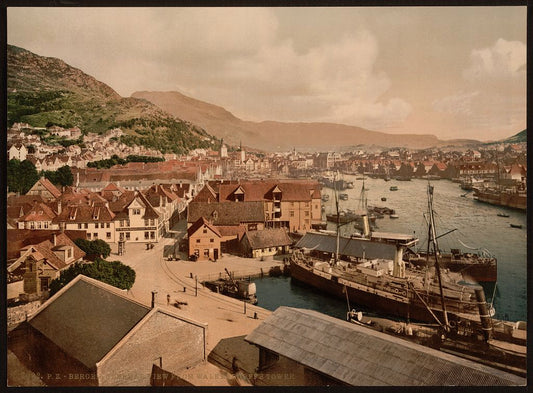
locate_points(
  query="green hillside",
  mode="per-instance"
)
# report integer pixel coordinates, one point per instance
(43, 91)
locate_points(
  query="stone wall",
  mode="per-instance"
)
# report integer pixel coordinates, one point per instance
(180, 344)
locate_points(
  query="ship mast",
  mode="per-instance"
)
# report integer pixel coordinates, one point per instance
(338, 218)
(433, 239)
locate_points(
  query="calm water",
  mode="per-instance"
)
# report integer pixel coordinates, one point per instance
(477, 224)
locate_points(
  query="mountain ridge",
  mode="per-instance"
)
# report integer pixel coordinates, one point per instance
(276, 135)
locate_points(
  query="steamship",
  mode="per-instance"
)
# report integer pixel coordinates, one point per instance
(370, 272)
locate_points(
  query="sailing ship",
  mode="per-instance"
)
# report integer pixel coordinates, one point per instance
(370, 272)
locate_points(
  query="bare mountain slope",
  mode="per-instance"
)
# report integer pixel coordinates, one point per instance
(271, 135)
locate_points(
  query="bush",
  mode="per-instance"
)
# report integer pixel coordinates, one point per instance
(113, 273)
(94, 249)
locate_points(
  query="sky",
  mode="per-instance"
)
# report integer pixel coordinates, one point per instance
(454, 72)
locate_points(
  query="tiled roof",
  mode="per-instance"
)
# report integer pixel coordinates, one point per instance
(85, 213)
(39, 212)
(232, 230)
(50, 187)
(199, 224)
(13, 200)
(19, 238)
(226, 213)
(260, 190)
(274, 237)
(46, 248)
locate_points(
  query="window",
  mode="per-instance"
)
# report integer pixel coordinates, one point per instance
(146, 235)
(121, 223)
(108, 225)
(39, 225)
(95, 235)
(306, 213)
(46, 225)
(205, 230)
(44, 284)
(211, 240)
(79, 226)
(32, 225)
(206, 252)
(69, 253)
(127, 223)
(152, 221)
(292, 213)
(152, 235)
(146, 222)
(136, 212)
(96, 225)
(197, 240)
(108, 235)
(85, 225)
(88, 236)
(127, 236)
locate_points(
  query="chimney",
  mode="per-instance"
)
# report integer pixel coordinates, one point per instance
(55, 239)
(59, 207)
(153, 298)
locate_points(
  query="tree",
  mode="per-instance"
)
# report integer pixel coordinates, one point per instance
(113, 273)
(21, 176)
(64, 176)
(94, 249)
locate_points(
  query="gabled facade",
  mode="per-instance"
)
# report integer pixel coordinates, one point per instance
(138, 221)
(45, 189)
(204, 241)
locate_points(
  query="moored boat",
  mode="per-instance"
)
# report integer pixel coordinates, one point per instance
(370, 272)
(393, 188)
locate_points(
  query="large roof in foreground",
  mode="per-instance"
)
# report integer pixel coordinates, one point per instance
(88, 319)
(360, 356)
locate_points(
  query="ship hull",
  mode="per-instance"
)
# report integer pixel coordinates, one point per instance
(394, 306)
(470, 271)
(515, 201)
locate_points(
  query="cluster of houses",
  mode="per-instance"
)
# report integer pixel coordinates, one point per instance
(252, 218)
(24, 143)
(113, 214)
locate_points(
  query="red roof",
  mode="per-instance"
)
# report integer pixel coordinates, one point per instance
(199, 224)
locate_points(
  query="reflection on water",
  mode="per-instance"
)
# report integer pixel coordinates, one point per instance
(476, 225)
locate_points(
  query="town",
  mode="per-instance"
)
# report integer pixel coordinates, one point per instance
(184, 224)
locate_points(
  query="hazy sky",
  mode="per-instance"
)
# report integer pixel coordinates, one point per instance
(456, 72)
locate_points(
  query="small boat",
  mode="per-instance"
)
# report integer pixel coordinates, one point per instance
(503, 215)
(394, 216)
(393, 188)
(383, 199)
(343, 197)
(519, 226)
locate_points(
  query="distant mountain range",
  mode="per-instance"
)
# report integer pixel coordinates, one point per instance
(44, 91)
(272, 135)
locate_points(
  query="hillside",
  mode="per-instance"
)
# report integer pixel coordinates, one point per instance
(44, 91)
(271, 135)
(518, 138)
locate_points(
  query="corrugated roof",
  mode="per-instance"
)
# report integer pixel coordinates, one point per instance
(88, 319)
(360, 356)
(353, 247)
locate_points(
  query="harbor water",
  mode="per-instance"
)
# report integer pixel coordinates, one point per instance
(476, 227)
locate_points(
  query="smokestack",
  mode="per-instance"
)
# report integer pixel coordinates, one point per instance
(153, 298)
(484, 315)
(55, 239)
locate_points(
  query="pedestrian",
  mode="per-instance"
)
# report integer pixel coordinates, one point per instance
(168, 299)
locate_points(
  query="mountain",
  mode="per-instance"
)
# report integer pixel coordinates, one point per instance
(272, 135)
(43, 91)
(520, 137)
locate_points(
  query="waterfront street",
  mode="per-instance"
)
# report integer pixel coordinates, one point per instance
(225, 316)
